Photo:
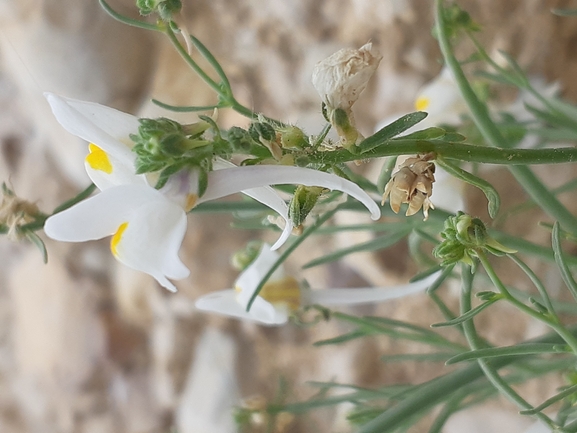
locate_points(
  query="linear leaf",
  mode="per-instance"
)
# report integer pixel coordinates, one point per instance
(467, 316)
(488, 189)
(391, 130)
(378, 243)
(494, 352)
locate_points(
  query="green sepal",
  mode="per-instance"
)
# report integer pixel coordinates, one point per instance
(303, 202)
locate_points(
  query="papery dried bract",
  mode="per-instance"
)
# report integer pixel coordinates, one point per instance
(412, 184)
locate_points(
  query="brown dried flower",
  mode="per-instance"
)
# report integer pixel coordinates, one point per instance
(412, 184)
(15, 212)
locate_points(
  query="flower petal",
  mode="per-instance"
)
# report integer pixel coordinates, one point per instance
(148, 229)
(106, 127)
(267, 196)
(249, 279)
(366, 295)
(151, 241)
(106, 171)
(231, 180)
(100, 215)
(225, 302)
(441, 99)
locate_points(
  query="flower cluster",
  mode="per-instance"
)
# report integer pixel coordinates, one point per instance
(412, 184)
(147, 218)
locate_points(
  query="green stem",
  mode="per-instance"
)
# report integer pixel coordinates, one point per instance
(548, 319)
(437, 390)
(526, 178)
(475, 343)
(190, 61)
(126, 20)
(41, 219)
(453, 151)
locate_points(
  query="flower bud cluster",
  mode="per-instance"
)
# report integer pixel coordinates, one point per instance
(463, 238)
(162, 142)
(412, 184)
(166, 9)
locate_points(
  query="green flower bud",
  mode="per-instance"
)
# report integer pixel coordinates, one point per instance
(464, 237)
(243, 258)
(165, 8)
(292, 137)
(303, 202)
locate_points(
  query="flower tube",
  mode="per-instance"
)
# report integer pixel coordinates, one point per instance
(282, 294)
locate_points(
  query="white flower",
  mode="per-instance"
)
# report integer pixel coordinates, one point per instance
(340, 79)
(282, 294)
(441, 99)
(148, 225)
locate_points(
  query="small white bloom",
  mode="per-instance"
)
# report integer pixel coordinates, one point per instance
(282, 294)
(148, 225)
(441, 99)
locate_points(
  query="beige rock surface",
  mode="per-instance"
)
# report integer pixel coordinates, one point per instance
(88, 346)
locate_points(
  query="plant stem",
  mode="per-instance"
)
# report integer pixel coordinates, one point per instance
(526, 178)
(475, 343)
(452, 151)
(549, 319)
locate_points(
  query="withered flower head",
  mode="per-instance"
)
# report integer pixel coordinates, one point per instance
(15, 212)
(339, 80)
(412, 184)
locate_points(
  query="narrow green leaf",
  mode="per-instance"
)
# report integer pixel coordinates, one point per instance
(567, 109)
(391, 130)
(342, 338)
(432, 133)
(186, 109)
(564, 12)
(453, 137)
(81, 196)
(494, 201)
(378, 243)
(205, 52)
(126, 20)
(35, 239)
(553, 118)
(494, 352)
(467, 316)
(418, 357)
(561, 261)
(565, 393)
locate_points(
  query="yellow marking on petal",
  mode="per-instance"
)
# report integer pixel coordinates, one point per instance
(117, 238)
(191, 200)
(285, 292)
(422, 103)
(98, 159)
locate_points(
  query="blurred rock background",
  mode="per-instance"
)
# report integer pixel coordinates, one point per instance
(88, 346)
